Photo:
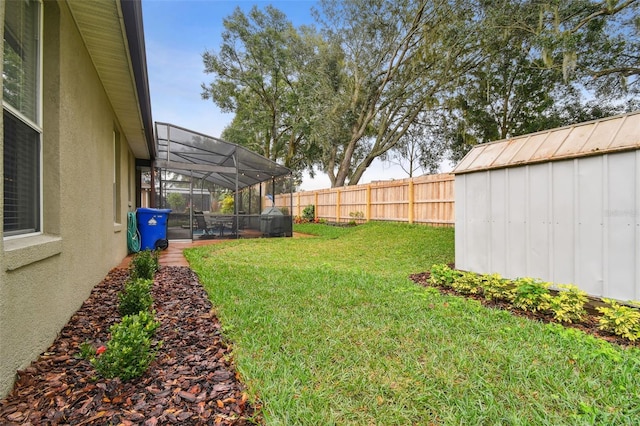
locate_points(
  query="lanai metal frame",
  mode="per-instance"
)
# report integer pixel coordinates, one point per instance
(208, 158)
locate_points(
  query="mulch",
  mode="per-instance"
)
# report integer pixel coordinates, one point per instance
(588, 324)
(193, 380)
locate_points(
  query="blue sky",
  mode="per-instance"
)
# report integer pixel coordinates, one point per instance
(177, 32)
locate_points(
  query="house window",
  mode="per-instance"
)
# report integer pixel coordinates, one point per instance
(21, 82)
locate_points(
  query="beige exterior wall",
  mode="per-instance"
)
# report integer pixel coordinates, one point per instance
(44, 279)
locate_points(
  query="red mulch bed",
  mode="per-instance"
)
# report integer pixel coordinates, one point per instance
(589, 323)
(192, 381)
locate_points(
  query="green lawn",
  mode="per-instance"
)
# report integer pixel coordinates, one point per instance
(330, 330)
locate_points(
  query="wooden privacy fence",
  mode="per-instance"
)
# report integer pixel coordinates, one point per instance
(427, 199)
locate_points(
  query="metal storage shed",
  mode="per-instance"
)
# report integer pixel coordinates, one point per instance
(561, 205)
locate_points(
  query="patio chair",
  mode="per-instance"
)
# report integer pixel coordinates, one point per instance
(201, 224)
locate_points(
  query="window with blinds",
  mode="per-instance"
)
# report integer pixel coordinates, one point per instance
(21, 106)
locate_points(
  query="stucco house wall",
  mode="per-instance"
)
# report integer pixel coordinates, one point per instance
(45, 278)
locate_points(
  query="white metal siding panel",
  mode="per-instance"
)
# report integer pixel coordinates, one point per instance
(538, 223)
(516, 222)
(461, 246)
(589, 247)
(621, 216)
(478, 228)
(498, 221)
(562, 213)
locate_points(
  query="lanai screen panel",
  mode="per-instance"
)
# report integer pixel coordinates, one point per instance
(223, 163)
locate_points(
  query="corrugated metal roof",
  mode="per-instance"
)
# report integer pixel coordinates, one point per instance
(612, 134)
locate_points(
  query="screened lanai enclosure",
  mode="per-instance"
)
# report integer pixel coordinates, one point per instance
(216, 189)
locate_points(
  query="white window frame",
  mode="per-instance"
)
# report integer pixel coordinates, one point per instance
(37, 126)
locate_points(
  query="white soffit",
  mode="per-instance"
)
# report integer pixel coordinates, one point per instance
(102, 28)
(612, 134)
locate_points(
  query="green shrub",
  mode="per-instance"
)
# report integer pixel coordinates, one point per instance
(531, 294)
(135, 297)
(568, 304)
(227, 204)
(468, 283)
(144, 265)
(620, 320)
(496, 287)
(128, 353)
(309, 213)
(443, 276)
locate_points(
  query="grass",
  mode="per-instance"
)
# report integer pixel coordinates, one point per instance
(330, 330)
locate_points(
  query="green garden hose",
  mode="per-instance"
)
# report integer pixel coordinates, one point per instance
(133, 236)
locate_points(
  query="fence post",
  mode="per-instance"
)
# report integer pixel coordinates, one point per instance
(411, 201)
(337, 205)
(298, 205)
(368, 201)
(315, 206)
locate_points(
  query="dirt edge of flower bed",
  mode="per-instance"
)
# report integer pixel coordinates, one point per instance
(589, 323)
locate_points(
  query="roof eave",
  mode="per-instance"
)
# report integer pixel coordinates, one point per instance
(113, 34)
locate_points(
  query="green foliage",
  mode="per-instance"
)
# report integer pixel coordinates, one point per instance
(135, 297)
(498, 288)
(176, 201)
(442, 275)
(258, 75)
(144, 265)
(620, 320)
(568, 304)
(531, 294)
(468, 283)
(87, 351)
(226, 207)
(309, 213)
(129, 351)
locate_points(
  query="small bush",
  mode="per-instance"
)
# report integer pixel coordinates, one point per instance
(497, 288)
(620, 320)
(144, 265)
(128, 353)
(309, 213)
(443, 276)
(135, 297)
(468, 283)
(568, 304)
(87, 351)
(531, 294)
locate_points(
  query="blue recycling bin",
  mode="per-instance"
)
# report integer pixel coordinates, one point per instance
(152, 225)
